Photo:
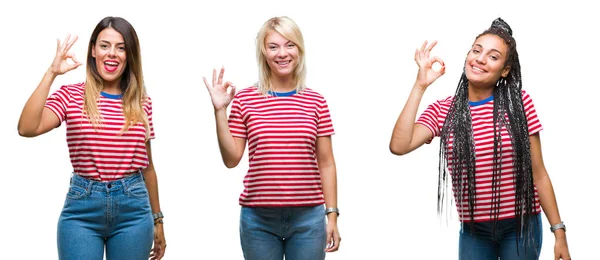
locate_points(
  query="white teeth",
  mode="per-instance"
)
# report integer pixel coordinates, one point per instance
(283, 62)
(110, 63)
(477, 69)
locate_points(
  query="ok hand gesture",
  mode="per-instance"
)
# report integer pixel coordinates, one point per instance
(427, 74)
(60, 65)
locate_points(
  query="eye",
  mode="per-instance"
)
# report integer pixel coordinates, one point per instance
(291, 45)
(493, 57)
(475, 51)
(272, 47)
(103, 46)
(121, 48)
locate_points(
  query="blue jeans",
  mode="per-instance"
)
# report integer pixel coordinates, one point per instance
(480, 245)
(114, 214)
(269, 233)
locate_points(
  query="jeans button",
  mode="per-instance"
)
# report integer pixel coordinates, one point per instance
(109, 186)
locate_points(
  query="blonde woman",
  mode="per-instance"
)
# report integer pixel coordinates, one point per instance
(112, 200)
(292, 169)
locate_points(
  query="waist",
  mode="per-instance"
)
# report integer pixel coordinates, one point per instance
(122, 183)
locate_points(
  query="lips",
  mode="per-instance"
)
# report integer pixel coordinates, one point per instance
(111, 65)
(283, 63)
(478, 69)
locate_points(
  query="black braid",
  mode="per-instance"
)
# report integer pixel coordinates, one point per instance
(458, 131)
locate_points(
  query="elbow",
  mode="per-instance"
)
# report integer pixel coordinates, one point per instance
(396, 150)
(230, 164)
(25, 133)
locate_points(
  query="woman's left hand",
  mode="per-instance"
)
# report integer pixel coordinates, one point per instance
(561, 249)
(333, 237)
(158, 251)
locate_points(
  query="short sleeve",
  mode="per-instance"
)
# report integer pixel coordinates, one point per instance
(237, 127)
(59, 101)
(430, 119)
(533, 122)
(324, 124)
(148, 110)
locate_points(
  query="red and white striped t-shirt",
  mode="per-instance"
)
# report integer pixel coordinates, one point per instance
(101, 154)
(482, 118)
(282, 132)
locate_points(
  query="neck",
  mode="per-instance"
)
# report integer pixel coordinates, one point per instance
(282, 84)
(112, 88)
(478, 93)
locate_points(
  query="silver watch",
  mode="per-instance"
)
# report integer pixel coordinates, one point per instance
(558, 226)
(329, 210)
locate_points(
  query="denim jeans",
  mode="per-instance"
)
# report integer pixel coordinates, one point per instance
(479, 244)
(115, 215)
(269, 233)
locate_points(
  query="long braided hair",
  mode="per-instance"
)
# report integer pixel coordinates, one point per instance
(458, 132)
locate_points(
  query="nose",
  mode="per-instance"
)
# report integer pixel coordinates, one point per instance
(112, 52)
(481, 59)
(282, 52)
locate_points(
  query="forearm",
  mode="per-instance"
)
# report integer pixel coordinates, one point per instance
(548, 203)
(152, 185)
(31, 116)
(329, 184)
(404, 128)
(227, 145)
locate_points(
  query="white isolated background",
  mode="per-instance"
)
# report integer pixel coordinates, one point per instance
(360, 57)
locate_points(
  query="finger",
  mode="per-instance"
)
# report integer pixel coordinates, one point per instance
(63, 48)
(57, 45)
(329, 241)
(428, 50)
(220, 81)
(417, 56)
(335, 244)
(423, 47)
(69, 44)
(437, 59)
(72, 56)
(162, 251)
(206, 83)
(232, 92)
(214, 78)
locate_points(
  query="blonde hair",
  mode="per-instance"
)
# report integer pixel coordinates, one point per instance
(131, 83)
(289, 30)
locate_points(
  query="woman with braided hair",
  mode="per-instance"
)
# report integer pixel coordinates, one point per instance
(489, 133)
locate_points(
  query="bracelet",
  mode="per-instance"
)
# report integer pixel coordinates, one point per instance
(329, 210)
(558, 226)
(157, 215)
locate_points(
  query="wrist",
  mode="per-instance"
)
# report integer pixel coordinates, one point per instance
(560, 234)
(420, 88)
(51, 73)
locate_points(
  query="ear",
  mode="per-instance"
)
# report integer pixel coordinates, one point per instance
(505, 71)
(94, 50)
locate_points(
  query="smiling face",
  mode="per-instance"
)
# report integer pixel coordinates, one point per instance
(486, 61)
(110, 55)
(281, 55)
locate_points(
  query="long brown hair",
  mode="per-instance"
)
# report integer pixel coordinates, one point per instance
(132, 79)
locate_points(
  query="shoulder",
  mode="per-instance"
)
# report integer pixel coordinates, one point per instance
(246, 92)
(312, 95)
(444, 102)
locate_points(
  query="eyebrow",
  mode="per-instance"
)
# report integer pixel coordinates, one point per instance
(479, 45)
(278, 44)
(105, 41)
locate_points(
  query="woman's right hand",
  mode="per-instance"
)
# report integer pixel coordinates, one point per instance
(427, 74)
(60, 65)
(218, 90)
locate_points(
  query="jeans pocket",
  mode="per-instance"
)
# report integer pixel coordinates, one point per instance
(76, 192)
(138, 190)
